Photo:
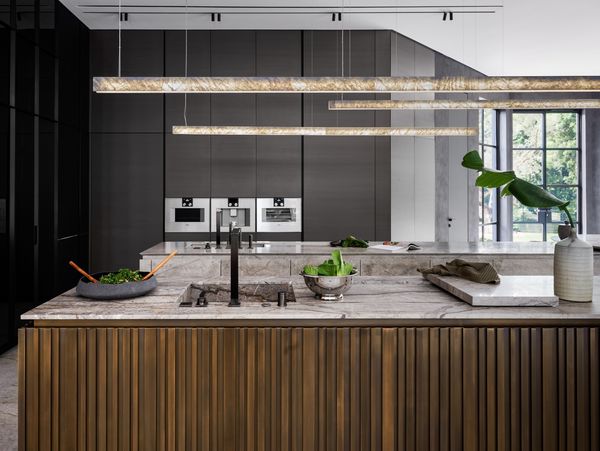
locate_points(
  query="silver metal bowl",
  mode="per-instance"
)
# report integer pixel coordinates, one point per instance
(329, 288)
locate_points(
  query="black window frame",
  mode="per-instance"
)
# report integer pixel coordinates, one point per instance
(482, 147)
(544, 149)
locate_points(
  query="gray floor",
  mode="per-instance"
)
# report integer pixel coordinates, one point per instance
(8, 400)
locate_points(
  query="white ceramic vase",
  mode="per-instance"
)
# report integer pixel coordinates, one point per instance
(573, 269)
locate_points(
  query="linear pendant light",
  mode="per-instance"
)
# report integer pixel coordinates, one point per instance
(463, 104)
(322, 131)
(340, 84)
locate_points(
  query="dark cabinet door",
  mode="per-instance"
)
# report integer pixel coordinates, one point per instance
(339, 188)
(127, 194)
(187, 166)
(198, 52)
(233, 157)
(279, 158)
(142, 55)
(6, 301)
(339, 173)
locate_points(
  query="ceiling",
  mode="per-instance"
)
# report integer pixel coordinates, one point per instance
(496, 37)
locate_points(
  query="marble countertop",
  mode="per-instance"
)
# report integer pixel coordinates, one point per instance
(370, 298)
(323, 248)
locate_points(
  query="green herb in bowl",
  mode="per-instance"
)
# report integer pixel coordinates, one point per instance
(121, 276)
(335, 266)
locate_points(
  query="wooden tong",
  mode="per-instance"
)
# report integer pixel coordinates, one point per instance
(160, 265)
(85, 274)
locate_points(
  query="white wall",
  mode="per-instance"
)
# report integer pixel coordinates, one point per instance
(525, 37)
(413, 159)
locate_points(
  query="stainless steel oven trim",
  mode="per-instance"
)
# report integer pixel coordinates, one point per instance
(171, 203)
(221, 203)
(262, 226)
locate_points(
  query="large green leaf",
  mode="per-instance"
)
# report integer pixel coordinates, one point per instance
(472, 160)
(533, 196)
(491, 178)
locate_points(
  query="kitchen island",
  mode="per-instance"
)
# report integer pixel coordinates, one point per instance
(398, 364)
(288, 258)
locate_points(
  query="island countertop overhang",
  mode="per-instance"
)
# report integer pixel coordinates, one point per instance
(372, 301)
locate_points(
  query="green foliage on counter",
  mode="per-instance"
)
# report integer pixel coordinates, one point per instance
(352, 241)
(335, 266)
(121, 276)
(527, 193)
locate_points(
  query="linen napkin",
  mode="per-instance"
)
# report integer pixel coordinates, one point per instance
(473, 271)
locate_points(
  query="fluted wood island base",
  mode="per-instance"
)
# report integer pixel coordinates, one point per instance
(331, 384)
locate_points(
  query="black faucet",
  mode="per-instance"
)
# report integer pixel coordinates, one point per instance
(235, 239)
(219, 221)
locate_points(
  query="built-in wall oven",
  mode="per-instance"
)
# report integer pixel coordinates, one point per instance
(187, 214)
(234, 209)
(279, 214)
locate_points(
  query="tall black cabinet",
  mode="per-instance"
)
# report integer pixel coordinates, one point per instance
(43, 155)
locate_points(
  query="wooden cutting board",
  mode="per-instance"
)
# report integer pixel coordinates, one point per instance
(512, 291)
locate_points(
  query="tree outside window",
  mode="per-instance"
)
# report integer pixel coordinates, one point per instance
(547, 152)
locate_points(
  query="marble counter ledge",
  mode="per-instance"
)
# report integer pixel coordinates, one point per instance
(323, 248)
(371, 298)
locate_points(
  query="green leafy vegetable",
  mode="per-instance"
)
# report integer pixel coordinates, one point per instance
(527, 193)
(121, 276)
(352, 241)
(310, 270)
(335, 266)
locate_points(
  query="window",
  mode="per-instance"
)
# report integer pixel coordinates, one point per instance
(488, 198)
(547, 152)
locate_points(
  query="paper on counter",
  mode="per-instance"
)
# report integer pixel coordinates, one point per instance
(387, 247)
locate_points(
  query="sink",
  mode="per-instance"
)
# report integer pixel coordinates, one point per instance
(264, 292)
(224, 245)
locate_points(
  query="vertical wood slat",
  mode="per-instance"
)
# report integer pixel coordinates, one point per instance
(355, 385)
(536, 388)
(91, 382)
(101, 390)
(491, 386)
(430, 388)
(112, 389)
(124, 416)
(582, 340)
(68, 389)
(571, 383)
(456, 394)
(594, 389)
(45, 419)
(550, 405)
(389, 388)
(22, 391)
(401, 375)
(81, 387)
(422, 389)
(32, 388)
(445, 388)
(410, 381)
(503, 387)
(161, 399)
(434, 389)
(470, 390)
(515, 389)
(525, 389)
(376, 379)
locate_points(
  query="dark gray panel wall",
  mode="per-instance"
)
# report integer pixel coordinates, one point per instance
(340, 173)
(127, 152)
(339, 194)
(187, 166)
(142, 55)
(127, 197)
(279, 158)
